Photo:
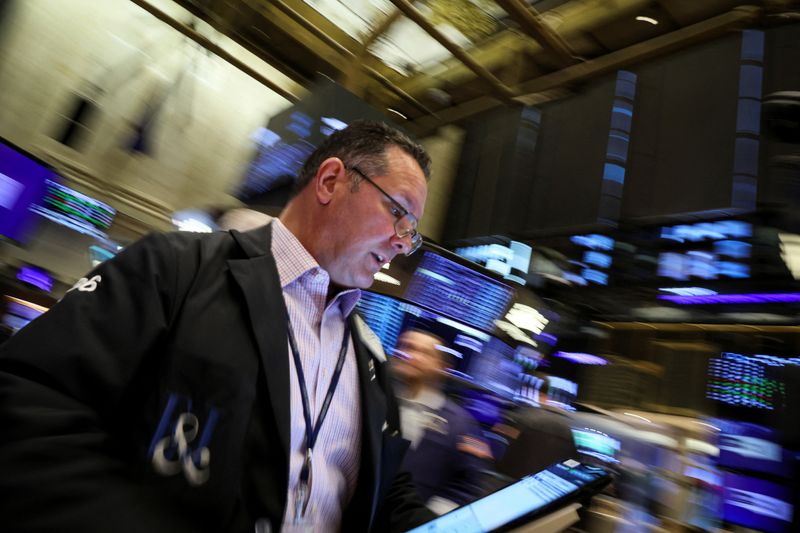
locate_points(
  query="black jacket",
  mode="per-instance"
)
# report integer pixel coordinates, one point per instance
(178, 324)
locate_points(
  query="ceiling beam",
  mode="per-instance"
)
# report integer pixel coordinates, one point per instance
(500, 90)
(570, 19)
(352, 79)
(532, 24)
(215, 49)
(663, 44)
(238, 27)
(555, 85)
(347, 54)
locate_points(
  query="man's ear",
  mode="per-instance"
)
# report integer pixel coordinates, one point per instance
(328, 177)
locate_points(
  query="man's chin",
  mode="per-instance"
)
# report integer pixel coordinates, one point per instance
(360, 282)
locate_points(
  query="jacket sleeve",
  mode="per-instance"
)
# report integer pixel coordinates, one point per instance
(402, 509)
(62, 379)
(471, 458)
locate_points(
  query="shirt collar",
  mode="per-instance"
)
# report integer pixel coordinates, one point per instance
(295, 263)
(429, 397)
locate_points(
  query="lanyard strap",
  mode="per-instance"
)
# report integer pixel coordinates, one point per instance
(312, 430)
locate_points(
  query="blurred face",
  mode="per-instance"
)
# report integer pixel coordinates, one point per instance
(359, 231)
(416, 357)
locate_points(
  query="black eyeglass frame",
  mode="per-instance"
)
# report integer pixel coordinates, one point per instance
(416, 238)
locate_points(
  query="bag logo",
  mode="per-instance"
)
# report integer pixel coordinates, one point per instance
(87, 284)
(171, 450)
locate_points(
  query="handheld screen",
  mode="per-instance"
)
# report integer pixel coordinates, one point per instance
(528, 498)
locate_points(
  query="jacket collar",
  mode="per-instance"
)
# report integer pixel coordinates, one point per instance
(257, 276)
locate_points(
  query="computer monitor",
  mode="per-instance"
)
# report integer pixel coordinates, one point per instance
(74, 210)
(22, 184)
(292, 135)
(756, 503)
(753, 448)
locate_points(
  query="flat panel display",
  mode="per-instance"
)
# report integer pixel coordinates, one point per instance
(756, 503)
(459, 292)
(528, 498)
(75, 210)
(292, 135)
(754, 448)
(22, 184)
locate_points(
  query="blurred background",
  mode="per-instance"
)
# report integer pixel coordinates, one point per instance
(613, 225)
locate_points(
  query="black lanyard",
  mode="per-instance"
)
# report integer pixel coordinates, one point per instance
(312, 430)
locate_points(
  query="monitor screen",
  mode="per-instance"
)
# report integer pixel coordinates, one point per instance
(476, 356)
(22, 184)
(596, 444)
(459, 292)
(756, 503)
(529, 497)
(19, 313)
(38, 277)
(75, 210)
(751, 447)
(748, 381)
(293, 134)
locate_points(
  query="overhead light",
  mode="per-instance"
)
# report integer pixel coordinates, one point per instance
(581, 358)
(527, 318)
(715, 428)
(396, 112)
(639, 417)
(649, 20)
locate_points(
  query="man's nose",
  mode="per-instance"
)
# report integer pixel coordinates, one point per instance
(401, 245)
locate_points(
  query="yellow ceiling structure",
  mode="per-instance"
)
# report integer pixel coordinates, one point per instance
(441, 61)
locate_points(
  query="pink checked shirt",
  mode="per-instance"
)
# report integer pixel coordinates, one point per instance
(318, 330)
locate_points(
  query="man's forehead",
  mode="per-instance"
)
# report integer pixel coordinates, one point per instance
(405, 180)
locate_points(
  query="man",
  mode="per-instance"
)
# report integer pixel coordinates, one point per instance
(180, 386)
(448, 453)
(545, 429)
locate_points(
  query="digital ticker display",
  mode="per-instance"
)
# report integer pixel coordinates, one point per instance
(747, 380)
(75, 210)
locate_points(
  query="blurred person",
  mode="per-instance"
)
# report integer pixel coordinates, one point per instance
(221, 382)
(538, 437)
(447, 454)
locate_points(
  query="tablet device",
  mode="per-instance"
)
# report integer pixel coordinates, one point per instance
(523, 501)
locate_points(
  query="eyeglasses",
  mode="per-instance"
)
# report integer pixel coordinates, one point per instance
(405, 224)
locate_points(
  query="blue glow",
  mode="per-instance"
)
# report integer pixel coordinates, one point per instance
(701, 265)
(735, 249)
(672, 265)
(614, 173)
(36, 277)
(574, 278)
(581, 358)
(737, 228)
(730, 269)
(593, 241)
(752, 45)
(547, 338)
(688, 291)
(595, 276)
(724, 229)
(751, 298)
(597, 258)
